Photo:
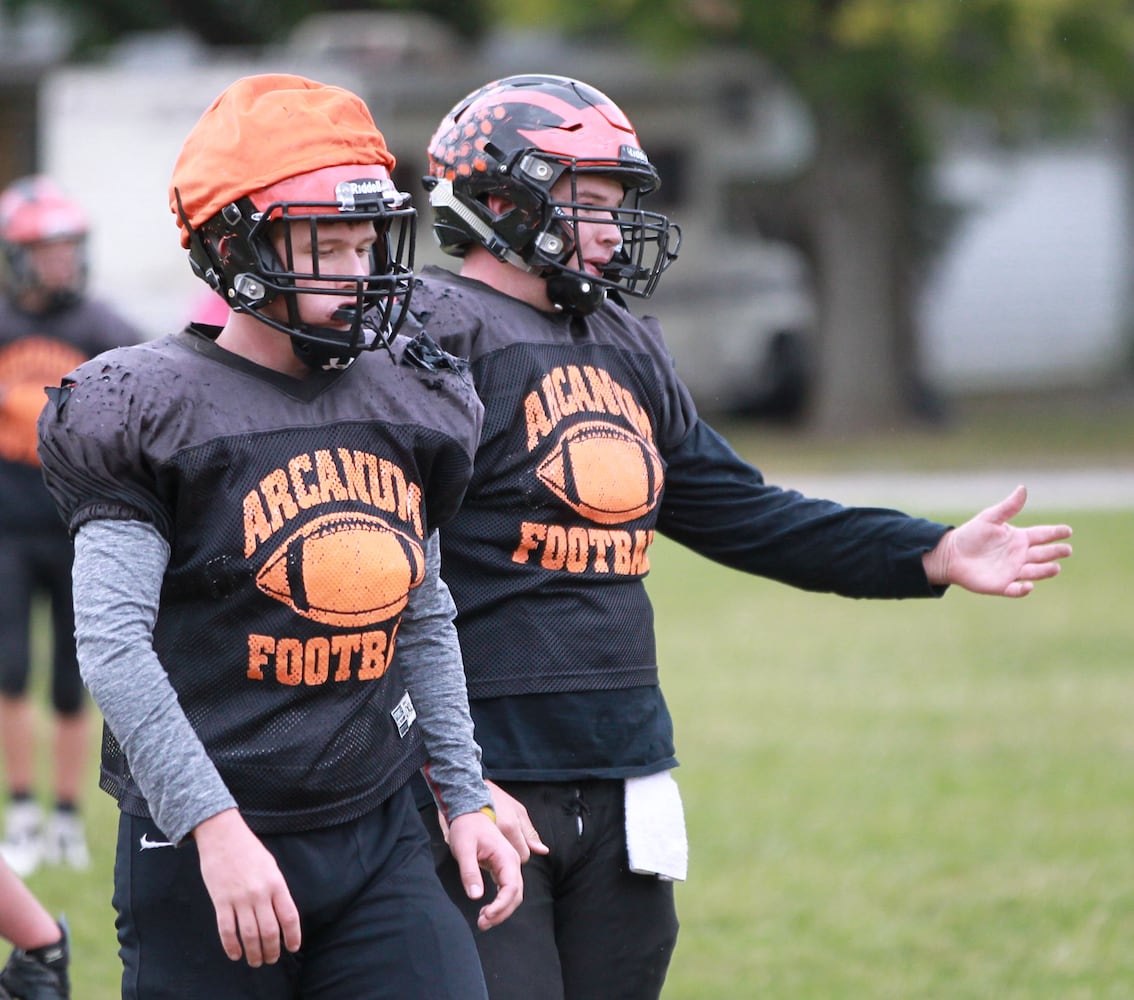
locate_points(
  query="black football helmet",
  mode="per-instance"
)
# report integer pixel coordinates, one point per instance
(233, 253)
(517, 137)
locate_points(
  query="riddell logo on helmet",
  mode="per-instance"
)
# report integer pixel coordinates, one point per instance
(348, 193)
(634, 153)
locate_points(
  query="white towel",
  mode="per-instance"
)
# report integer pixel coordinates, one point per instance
(655, 827)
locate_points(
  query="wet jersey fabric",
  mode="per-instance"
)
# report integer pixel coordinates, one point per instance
(592, 444)
(297, 515)
(36, 350)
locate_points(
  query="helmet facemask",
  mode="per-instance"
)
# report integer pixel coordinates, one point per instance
(25, 281)
(649, 242)
(43, 245)
(236, 253)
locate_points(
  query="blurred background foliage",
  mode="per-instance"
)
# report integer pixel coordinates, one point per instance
(874, 74)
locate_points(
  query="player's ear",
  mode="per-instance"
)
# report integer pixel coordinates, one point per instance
(498, 204)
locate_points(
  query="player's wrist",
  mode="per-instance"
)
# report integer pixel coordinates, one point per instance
(482, 811)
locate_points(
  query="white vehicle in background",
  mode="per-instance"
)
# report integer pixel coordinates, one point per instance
(740, 325)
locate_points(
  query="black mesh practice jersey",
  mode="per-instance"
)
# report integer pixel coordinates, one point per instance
(36, 350)
(297, 514)
(591, 444)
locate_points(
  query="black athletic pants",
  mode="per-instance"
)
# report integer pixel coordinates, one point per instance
(588, 929)
(30, 563)
(376, 923)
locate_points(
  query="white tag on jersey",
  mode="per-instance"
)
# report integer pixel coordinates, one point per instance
(404, 714)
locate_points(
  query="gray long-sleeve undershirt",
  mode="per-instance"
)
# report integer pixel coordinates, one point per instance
(118, 571)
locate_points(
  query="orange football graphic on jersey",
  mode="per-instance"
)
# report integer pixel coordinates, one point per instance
(605, 472)
(345, 569)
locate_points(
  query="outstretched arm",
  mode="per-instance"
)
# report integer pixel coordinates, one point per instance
(719, 505)
(987, 555)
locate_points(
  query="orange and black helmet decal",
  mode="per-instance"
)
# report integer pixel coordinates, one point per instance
(561, 118)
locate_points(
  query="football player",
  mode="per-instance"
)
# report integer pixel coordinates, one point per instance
(591, 445)
(255, 510)
(49, 323)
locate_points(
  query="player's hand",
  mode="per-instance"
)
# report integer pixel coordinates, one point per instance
(477, 843)
(515, 823)
(987, 555)
(254, 906)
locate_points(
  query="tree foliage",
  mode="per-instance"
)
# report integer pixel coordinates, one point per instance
(997, 54)
(874, 73)
(237, 23)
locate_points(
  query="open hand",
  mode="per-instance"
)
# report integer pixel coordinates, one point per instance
(987, 555)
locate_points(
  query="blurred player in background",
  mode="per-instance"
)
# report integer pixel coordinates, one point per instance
(591, 444)
(48, 324)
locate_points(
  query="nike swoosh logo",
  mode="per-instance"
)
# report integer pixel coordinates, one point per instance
(145, 844)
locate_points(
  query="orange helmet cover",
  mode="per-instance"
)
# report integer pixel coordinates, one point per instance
(266, 128)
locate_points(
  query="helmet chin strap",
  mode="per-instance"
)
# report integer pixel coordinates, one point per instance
(574, 294)
(329, 356)
(322, 357)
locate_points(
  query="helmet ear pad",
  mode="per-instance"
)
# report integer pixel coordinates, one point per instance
(231, 248)
(575, 294)
(519, 216)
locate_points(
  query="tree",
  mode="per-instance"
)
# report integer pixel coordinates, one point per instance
(873, 73)
(223, 23)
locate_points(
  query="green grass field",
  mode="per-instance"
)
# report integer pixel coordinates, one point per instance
(885, 799)
(895, 800)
